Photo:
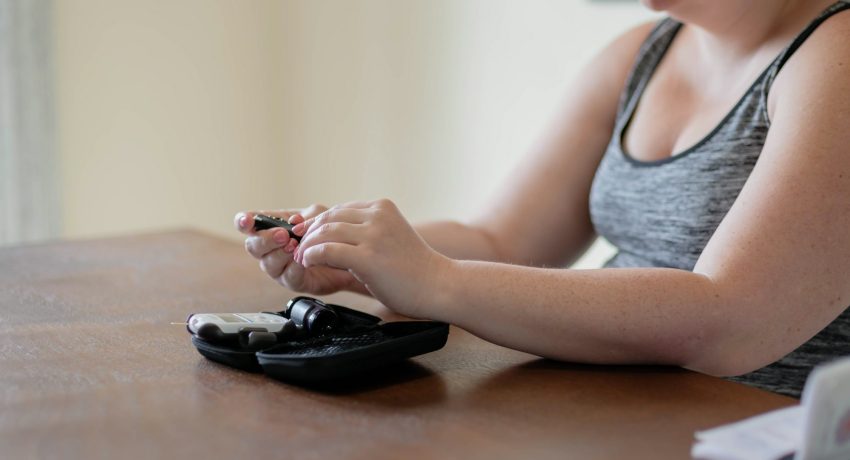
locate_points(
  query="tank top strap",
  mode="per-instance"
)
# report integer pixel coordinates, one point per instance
(655, 46)
(789, 51)
(648, 57)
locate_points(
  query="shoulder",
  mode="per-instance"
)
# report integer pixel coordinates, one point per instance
(599, 84)
(629, 42)
(618, 57)
(817, 73)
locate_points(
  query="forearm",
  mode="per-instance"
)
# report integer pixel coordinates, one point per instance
(719, 320)
(607, 316)
(461, 241)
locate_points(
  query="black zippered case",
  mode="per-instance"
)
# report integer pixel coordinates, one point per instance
(360, 342)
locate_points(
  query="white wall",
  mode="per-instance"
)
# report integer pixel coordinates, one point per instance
(176, 113)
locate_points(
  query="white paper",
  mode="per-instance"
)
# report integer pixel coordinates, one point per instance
(826, 433)
(769, 436)
(817, 429)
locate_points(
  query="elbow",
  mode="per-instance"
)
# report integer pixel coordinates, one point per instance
(723, 367)
(728, 338)
(727, 357)
(719, 350)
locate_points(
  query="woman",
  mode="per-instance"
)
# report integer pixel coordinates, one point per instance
(730, 212)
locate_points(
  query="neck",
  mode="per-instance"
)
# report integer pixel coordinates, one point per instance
(735, 30)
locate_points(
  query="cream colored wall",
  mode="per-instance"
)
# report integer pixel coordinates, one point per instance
(178, 113)
(167, 112)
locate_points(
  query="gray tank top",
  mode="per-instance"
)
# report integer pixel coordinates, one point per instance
(662, 213)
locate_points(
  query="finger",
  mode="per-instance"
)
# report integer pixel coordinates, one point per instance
(353, 205)
(338, 232)
(306, 213)
(265, 241)
(293, 277)
(338, 255)
(384, 203)
(290, 247)
(275, 262)
(244, 220)
(313, 210)
(348, 215)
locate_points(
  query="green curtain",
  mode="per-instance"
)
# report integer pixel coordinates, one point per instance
(29, 204)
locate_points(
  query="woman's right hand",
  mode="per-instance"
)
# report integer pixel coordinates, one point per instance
(274, 249)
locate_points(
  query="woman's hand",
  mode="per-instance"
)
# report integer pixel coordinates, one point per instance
(274, 248)
(376, 244)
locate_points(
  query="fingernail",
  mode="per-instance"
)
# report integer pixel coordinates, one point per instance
(293, 218)
(298, 229)
(281, 237)
(243, 221)
(290, 246)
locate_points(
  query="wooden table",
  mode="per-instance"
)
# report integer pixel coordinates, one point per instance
(91, 368)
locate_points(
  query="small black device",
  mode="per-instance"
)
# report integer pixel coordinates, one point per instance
(311, 316)
(264, 222)
(312, 342)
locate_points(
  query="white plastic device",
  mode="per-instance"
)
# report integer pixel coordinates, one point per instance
(233, 323)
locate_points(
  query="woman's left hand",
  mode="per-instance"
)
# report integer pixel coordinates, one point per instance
(374, 242)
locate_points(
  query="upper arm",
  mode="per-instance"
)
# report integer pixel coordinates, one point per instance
(546, 199)
(781, 256)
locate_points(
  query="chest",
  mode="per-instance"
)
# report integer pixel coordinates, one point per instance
(664, 213)
(670, 118)
(686, 101)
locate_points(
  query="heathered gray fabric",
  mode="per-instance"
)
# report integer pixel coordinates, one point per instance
(662, 213)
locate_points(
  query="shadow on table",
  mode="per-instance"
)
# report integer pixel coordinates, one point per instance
(400, 373)
(402, 384)
(552, 365)
(564, 383)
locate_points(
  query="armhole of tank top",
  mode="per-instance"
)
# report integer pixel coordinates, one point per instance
(786, 54)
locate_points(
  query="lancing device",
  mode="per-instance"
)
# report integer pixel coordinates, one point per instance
(263, 222)
(251, 330)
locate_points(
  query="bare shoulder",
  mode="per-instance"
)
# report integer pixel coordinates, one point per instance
(592, 99)
(817, 73)
(617, 58)
(626, 44)
(600, 83)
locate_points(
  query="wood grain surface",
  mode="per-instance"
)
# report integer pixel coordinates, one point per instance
(91, 368)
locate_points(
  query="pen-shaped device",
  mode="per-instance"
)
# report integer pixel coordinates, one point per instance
(263, 222)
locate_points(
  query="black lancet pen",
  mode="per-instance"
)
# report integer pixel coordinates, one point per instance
(263, 222)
